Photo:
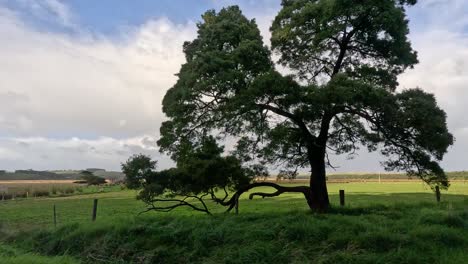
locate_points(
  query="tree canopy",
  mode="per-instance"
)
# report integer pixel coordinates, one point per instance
(342, 57)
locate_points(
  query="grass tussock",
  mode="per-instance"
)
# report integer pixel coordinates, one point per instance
(13, 256)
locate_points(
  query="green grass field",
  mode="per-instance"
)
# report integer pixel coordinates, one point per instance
(43, 188)
(381, 223)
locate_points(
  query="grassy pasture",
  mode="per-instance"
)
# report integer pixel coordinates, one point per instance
(46, 188)
(454, 176)
(26, 213)
(32, 187)
(381, 223)
(11, 255)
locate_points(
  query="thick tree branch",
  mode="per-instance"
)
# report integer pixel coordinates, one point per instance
(280, 190)
(343, 49)
(179, 203)
(299, 122)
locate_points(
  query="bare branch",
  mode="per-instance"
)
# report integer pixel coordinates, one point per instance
(180, 202)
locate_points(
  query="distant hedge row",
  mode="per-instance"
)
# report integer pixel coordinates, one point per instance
(456, 175)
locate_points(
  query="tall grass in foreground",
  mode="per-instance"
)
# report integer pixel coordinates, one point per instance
(416, 233)
(9, 255)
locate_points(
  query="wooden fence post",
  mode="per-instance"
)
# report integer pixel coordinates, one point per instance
(437, 190)
(94, 210)
(55, 217)
(342, 200)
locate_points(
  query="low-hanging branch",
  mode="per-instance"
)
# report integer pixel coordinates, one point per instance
(234, 200)
(231, 203)
(179, 203)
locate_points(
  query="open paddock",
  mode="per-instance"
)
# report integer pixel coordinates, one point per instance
(115, 203)
(388, 222)
(45, 188)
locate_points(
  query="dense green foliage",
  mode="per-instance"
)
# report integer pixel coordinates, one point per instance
(344, 58)
(91, 179)
(201, 172)
(56, 175)
(366, 40)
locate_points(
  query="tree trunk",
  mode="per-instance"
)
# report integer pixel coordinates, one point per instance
(317, 199)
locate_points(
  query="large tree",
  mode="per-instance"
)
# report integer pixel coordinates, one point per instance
(342, 57)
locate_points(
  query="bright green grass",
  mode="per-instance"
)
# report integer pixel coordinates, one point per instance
(381, 223)
(27, 213)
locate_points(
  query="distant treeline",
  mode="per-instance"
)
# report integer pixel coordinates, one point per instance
(57, 175)
(455, 175)
(36, 175)
(119, 176)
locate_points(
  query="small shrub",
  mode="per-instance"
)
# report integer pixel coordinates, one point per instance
(19, 195)
(68, 190)
(54, 190)
(381, 241)
(439, 235)
(91, 179)
(450, 219)
(7, 196)
(41, 193)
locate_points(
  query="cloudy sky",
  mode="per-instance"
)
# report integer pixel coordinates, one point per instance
(81, 81)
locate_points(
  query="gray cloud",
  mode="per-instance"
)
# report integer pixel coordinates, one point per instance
(73, 153)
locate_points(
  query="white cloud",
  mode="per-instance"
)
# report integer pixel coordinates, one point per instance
(58, 84)
(8, 154)
(86, 100)
(85, 86)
